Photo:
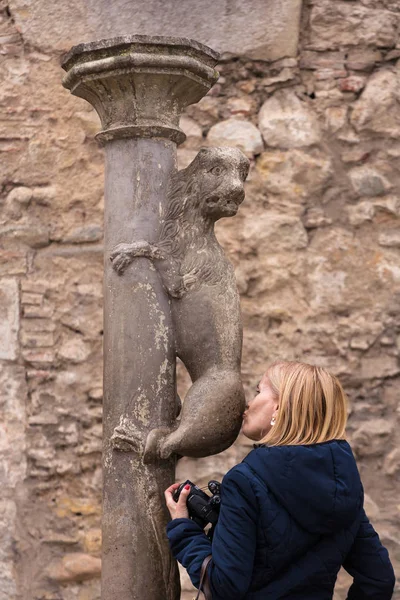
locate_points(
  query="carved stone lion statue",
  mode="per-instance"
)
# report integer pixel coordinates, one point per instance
(204, 301)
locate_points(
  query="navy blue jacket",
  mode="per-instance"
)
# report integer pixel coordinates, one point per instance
(290, 517)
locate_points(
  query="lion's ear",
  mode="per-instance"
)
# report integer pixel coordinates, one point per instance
(201, 156)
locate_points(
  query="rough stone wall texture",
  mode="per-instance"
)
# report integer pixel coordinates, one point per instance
(315, 247)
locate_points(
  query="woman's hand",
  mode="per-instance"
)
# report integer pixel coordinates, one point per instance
(177, 510)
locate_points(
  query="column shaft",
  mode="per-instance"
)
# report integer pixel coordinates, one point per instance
(139, 377)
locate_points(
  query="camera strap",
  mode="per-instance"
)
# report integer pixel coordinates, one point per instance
(204, 583)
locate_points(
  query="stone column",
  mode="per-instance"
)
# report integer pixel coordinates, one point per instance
(139, 86)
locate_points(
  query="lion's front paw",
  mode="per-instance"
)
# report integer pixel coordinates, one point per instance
(123, 254)
(121, 257)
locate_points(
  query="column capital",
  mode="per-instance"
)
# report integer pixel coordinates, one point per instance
(139, 85)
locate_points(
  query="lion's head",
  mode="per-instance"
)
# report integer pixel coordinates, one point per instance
(211, 186)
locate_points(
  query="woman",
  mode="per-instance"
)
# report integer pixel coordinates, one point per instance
(292, 511)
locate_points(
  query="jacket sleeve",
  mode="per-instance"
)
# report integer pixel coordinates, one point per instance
(234, 542)
(369, 564)
(233, 545)
(189, 545)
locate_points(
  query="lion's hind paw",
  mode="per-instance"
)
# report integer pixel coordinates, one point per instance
(126, 438)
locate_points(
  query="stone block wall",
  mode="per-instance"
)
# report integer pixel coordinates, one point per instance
(315, 246)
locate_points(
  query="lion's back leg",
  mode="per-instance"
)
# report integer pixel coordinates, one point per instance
(210, 421)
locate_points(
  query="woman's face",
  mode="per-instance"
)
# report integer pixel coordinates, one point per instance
(259, 411)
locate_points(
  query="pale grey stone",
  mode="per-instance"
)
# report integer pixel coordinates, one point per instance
(335, 117)
(315, 217)
(348, 136)
(273, 232)
(393, 152)
(34, 286)
(9, 319)
(38, 325)
(39, 357)
(379, 367)
(361, 342)
(240, 106)
(262, 31)
(361, 212)
(371, 438)
(74, 350)
(13, 418)
(354, 155)
(36, 339)
(322, 60)
(69, 435)
(387, 340)
(287, 122)
(42, 452)
(239, 133)
(21, 195)
(285, 75)
(363, 59)
(390, 238)
(285, 62)
(390, 204)
(294, 174)
(43, 419)
(75, 566)
(368, 181)
(378, 108)
(31, 298)
(326, 287)
(96, 394)
(337, 24)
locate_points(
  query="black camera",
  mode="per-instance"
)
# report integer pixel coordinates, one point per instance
(203, 509)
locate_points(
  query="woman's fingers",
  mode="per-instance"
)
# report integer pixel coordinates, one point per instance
(168, 494)
(169, 491)
(177, 509)
(181, 506)
(183, 496)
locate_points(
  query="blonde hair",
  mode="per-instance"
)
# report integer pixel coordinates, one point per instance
(312, 405)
